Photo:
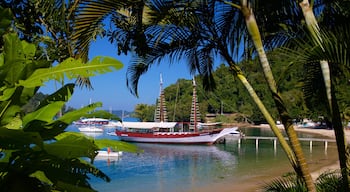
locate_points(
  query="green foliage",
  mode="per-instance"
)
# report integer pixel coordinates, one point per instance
(329, 181)
(287, 183)
(34, 102)
(35, 149)
(144, 112)
(71, 68)
(231, 97)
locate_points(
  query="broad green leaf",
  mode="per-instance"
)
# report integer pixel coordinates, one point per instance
(72, 145)
(46, 131)
(41, 176)
(14, 58)
(102, 114)
(1, 62)
(5, 19)
(29, 50)
(46, 113)
(117, 145)
(6, 155)
(71, 68)
(7, 93)
(17, 139)
(63, 94)
(9, 112)
(16, 123)
(69, 117)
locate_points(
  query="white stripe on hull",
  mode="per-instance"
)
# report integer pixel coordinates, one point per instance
(209, 138)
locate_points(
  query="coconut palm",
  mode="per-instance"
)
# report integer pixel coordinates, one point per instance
(198, 43)
(333, 50)
(172, 29)
(329, 78)
(199, 33)
(253, 31)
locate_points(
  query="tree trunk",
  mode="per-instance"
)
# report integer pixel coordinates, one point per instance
(314, 30)
(286, 120)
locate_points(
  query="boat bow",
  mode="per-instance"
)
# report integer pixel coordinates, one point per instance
(228, 131)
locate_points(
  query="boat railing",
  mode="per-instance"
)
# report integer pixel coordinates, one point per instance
(172, 133)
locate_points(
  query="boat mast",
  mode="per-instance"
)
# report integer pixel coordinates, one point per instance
(195, 114)
(161, 112)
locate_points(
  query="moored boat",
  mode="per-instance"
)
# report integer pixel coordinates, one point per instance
(163, 132)
(90, 128)
(91, 121)
(109, 154)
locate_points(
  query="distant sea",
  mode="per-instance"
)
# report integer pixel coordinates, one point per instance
(191, 168)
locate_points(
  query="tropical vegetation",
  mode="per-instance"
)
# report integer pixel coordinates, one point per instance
(199, 31)
(37, 154)
(292, 36)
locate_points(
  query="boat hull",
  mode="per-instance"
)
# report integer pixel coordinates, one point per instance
(175, 137)
(90, 129)
(109, 154)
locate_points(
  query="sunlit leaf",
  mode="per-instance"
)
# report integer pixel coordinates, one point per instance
(63, 94)
(69, 117)
(71, 68)
(72, 145)
(46, 113)
(117, 145)
(41, 176)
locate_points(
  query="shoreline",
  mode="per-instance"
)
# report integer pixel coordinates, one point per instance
(255, 184)
(329, 133)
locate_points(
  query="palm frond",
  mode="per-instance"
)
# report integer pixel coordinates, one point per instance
(329, 181)
(137, 68)
(334, 49)
(287, 183)
(89, 21)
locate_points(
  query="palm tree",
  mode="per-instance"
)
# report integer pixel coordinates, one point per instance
(198, 42)
(318, 39)
(334, 51)
(253, 31)
(197, 37)
(168, 35)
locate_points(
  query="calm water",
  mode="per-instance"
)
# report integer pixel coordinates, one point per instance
(176, 168)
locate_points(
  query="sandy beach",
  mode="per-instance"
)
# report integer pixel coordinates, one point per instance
(255, 184)
(326, 133)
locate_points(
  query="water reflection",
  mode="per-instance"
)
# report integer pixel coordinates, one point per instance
(183, 168)
(168, 168)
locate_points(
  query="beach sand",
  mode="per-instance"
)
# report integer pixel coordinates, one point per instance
(255, 184)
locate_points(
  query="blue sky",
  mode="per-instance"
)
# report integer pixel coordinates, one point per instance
(111, 89)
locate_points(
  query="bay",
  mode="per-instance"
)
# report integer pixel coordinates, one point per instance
(220, 167)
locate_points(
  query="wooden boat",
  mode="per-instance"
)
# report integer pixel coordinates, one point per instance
(162, 131)
(152, 132)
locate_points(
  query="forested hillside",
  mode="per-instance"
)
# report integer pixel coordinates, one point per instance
(231, 97)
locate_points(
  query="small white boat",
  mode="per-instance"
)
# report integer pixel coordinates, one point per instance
(108, 154)
(93, 134)
(91, 121)
(90, 129)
